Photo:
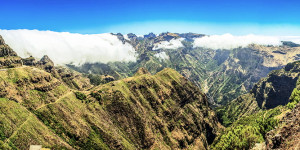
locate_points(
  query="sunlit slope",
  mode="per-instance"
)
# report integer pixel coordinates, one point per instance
(162, 111)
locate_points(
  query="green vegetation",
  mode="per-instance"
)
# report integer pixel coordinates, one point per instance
(97, 95)
(294, 99)
(247, 131)
(80, 95)
(95, 79)
(158, 111)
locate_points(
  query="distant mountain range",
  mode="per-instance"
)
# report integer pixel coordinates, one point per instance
(223, 74)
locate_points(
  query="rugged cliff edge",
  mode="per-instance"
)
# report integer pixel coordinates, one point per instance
(287, 134)
(8, 58)
(265, 118)
(268, 93)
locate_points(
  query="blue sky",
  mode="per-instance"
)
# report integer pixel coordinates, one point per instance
(271, 17)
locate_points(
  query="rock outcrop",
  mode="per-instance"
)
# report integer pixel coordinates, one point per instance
(287, 135)
(8, 57)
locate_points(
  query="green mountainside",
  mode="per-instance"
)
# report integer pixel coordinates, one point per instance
(222, 74)
(267, 117)
(163, 111)
(146, 105)
(59, 109)
(269, 92)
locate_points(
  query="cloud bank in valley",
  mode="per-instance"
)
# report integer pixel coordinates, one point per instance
(172, 44)
(162, 56)
(66, 48)
(228, 41)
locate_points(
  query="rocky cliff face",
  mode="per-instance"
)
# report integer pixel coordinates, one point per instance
(287, 134)
(8, 57)
(277, 87)
(269, 92)
(269, 108)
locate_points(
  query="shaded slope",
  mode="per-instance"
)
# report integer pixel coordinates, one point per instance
(268, 93)
(287, 134)
(165, 104)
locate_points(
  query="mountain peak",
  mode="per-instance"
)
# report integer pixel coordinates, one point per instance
(1, 40)
(8, 57)
(45, 59)
(142, 71)
(5, 50)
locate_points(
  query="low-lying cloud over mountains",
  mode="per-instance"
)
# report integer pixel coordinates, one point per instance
(228, 41)
(77, 49)
(65, 48)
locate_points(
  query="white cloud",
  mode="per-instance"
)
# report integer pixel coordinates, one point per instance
(161, 56)
(295, 39)
(228, 41)
(172, 44)
(126, 37)
(64, 47)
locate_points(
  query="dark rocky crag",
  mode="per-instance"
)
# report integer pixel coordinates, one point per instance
(270, 110)
(8, 57)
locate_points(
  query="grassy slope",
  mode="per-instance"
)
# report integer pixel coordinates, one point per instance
(163, 111)
(249, 130)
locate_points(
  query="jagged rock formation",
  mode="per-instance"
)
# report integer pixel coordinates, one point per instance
(166, 37)
(70, 77)
(163, 111)
(150, 35)
(277, 87)
(8, 57)
(190, 36)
